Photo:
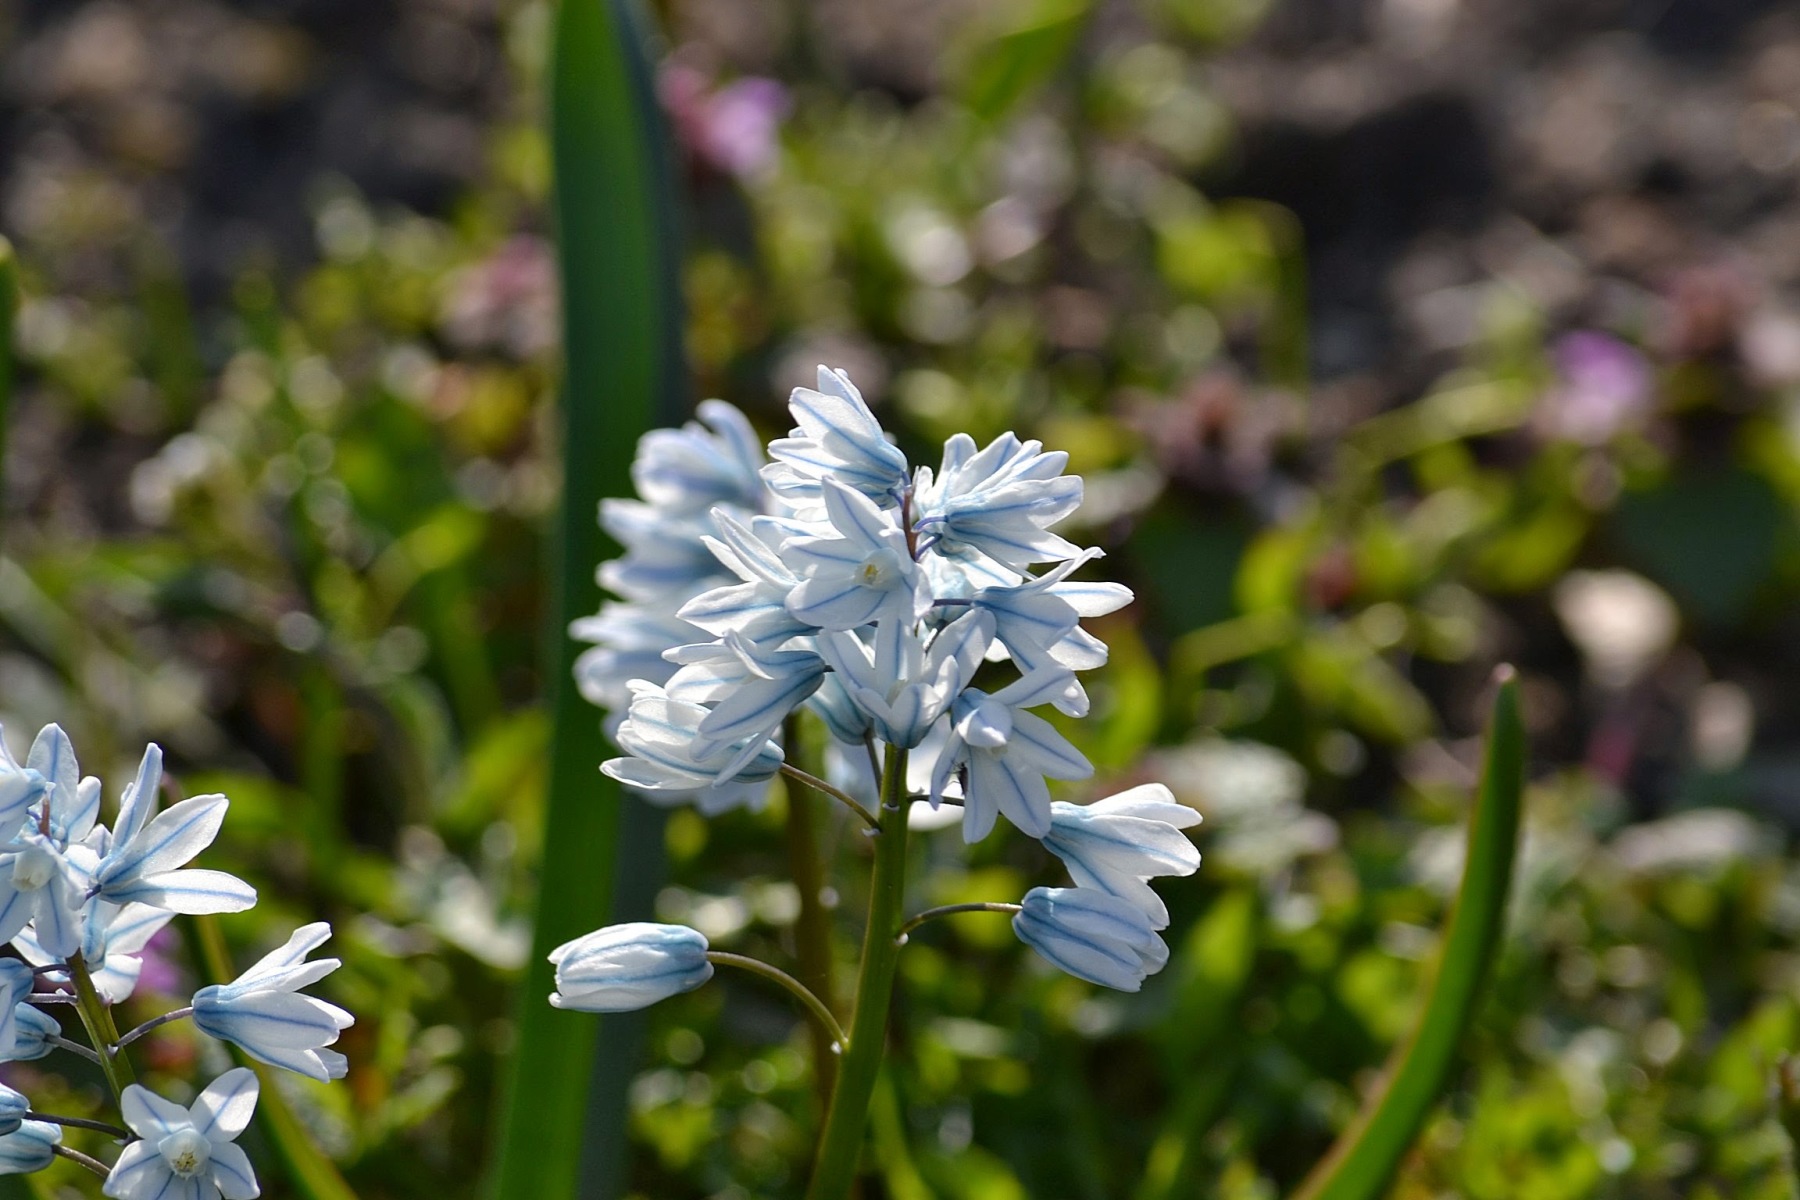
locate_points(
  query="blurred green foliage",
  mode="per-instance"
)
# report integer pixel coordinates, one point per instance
(298, 533)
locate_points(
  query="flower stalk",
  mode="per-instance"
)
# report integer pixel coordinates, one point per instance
(835, 1038)
(97, 1019)
(840, 1147)
(812, 924)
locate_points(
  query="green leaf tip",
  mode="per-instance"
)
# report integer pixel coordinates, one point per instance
(1368, 1153)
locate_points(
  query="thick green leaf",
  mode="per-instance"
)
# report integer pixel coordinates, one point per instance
(1363, 1162)
(623, 375)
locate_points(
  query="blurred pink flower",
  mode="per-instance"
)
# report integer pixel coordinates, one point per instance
(733, 128)
(507, 301)
(162, 974)
(1603, 386)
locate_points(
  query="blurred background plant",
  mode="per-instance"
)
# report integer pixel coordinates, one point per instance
(1394, 338)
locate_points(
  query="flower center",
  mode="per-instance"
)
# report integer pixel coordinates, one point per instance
(879, 570)
(186, 1152)
(33, 868)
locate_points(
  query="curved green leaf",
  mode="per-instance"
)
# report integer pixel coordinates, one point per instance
(1362, 1163)
(621, 337)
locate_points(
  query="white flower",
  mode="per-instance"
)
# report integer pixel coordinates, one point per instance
(998, 503)
(29, 1148)
(901, 700)
(20, 788)
(187, 1153)
(837, 438)
(15, 984)
(39, 885)
(33, 1029)
(631, 640)
(1039, 620)
(1117, 844)
(860, 572)
(692, 469)
(73, 800)
(141, 864)
(626, 967)
(1007, 753)
(660, 734)
(263, 1014)
(113, 938)
(13, 1107)
(757, 606)
(1091, 935)
(751, 689)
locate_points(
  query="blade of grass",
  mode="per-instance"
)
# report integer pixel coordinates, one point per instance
(9, 309)
(1362, 1163)
(621, 338)
(313, 1175)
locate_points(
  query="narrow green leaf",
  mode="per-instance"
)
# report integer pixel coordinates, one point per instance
(1362, 1163)
(621, 339)
(1022, 57)
(9, 308)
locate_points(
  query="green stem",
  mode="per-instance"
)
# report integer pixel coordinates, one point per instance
(91, 1163)
(756, 966)
(825, 789)
(949, 910)
(812, 925)
(96, 1017)
(840, 1147)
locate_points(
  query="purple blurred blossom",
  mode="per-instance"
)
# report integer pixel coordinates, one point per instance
(733, 128)
(162, 974)
(508, 301)
(1603, 386)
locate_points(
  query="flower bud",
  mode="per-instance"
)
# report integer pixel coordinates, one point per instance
(625, 967)
(1091, 935)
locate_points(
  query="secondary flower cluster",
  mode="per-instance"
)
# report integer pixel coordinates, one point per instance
(837, 577)
(79, 902)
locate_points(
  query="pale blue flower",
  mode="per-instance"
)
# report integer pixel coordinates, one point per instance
(1091, 935)
(666, 557)
(659, 736)
(73, 799)
(13, 1107)
(16, 983)
(837, 438)
(20, 788)
(262, 1012)
(999, 502)
(901, 701)
(32, 1030)
(29, 1148)
(43, 885)
(861, 571)
(694, 468)
(1039, 620)
(142, 863)
(625, 967)
(187, 1153)
(757, 606)
(1007, 753)
(751, 689)
(631, 641)
(1118, 844)
(113, 938)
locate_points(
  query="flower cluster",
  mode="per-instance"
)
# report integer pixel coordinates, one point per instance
(931, 611)
(79, 902)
